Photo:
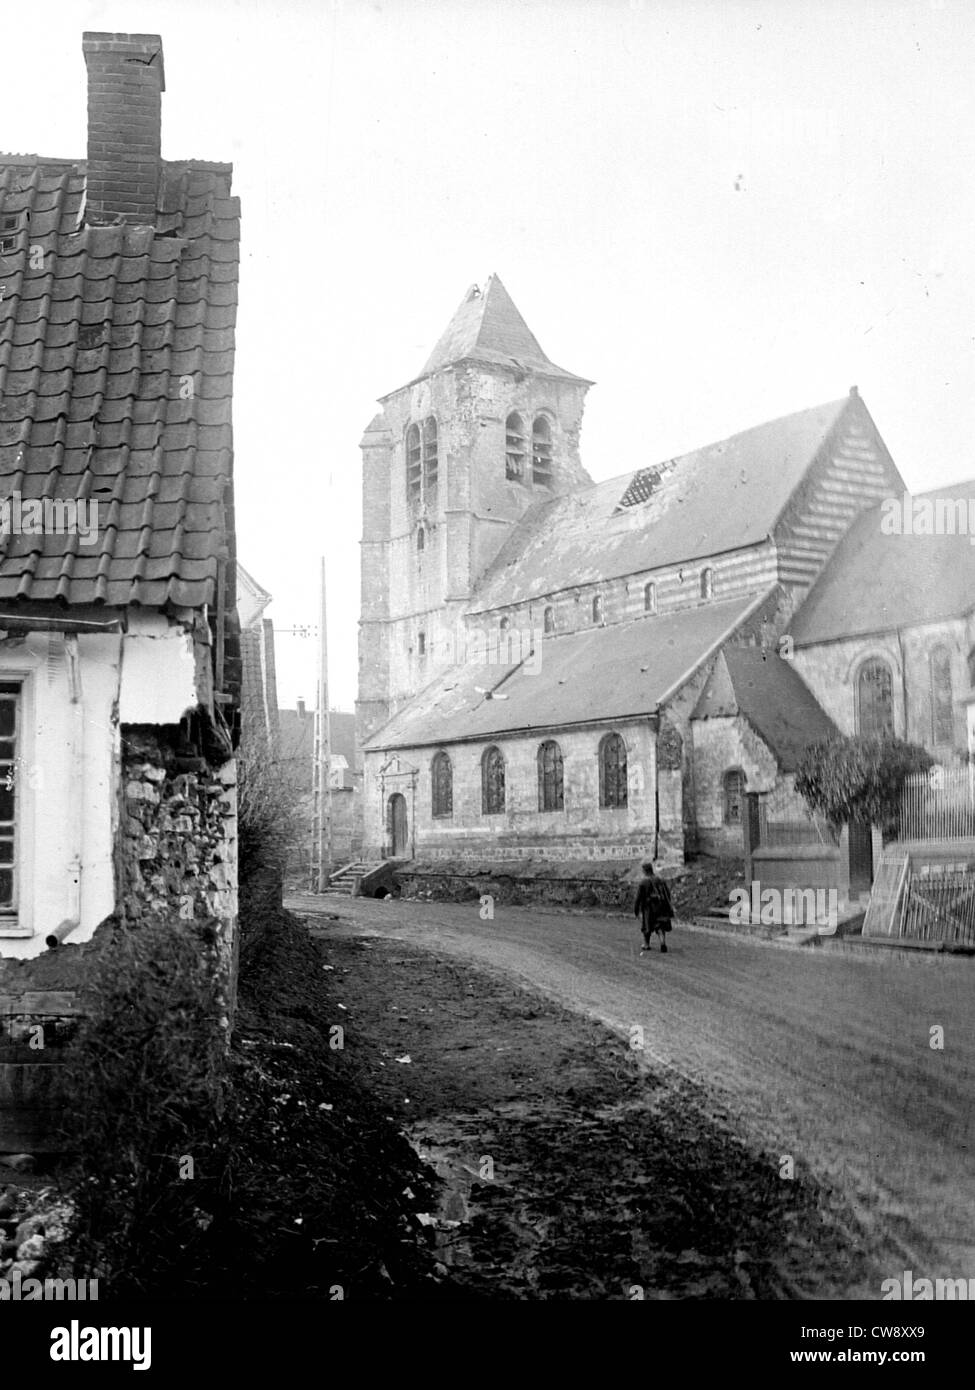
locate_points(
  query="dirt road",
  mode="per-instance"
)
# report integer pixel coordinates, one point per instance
(826, 1058)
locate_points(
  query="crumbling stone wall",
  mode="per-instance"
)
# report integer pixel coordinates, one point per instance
(177, 841)
(177, 844)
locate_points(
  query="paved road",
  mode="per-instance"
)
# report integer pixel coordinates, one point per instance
(824, 1057)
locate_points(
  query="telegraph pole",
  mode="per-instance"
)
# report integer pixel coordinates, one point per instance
(321, 849)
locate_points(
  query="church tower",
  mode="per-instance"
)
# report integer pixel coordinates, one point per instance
(451, 464)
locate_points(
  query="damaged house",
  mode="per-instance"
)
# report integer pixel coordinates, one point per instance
(119, 648)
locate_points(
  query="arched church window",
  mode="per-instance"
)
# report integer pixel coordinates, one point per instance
(612, 772)
(414, 464)
(597, 610)
(430, 461)
(649, 598)
(442, 784)
(734, 795)
(492, 782)
(707, 583)
(875, 700)
(514, 448)
(550, 787)
(542, 452)
(421, 538)
(548, 620)
(942, 705)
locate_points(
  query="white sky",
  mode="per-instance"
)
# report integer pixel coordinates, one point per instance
(387, 155)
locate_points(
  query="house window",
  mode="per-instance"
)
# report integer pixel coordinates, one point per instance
(542, 452)
(875, 700)
(942, 707)
(430, 461)
(9, 733)
(421, 538)
(442, 780)
(707, 583)
(548, 620)
(514, 448)
(612, 772)
(597, 610)
(550, 792)
(649, 598)
(734, 795)
(414, 469)
(492, 782)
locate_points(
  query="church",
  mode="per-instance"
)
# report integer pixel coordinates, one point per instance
(568, 674)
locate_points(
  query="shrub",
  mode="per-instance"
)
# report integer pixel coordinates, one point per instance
(859, 779)
(148, 1080)
(269, 824)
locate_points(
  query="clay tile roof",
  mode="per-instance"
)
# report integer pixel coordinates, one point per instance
(487, 327)
(104, 331)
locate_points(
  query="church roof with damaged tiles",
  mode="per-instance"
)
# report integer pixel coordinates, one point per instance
(712, 500)
(630, 669)
(116, 371)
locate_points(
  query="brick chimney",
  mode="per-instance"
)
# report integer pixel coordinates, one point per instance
(125, 86)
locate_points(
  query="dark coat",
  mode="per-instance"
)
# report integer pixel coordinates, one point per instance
(653, 905)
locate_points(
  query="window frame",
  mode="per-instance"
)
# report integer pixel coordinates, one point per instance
(551, 777)
(726, 778)
(947, 709)
(614, 781)
(493, 804)
(18, 921)
(441, 785)
(862, 668)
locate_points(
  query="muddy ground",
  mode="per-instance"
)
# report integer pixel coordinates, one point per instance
(569, 1169)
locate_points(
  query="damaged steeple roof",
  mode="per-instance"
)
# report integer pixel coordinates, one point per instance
(487, 327)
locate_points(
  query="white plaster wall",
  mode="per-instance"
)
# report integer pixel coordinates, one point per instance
(68, 800)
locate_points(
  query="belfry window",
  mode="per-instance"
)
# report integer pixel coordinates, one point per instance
(542, 452)
(414, 470)
(514, 448)
(422, 458)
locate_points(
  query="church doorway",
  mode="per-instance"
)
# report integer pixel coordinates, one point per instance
(397, 826)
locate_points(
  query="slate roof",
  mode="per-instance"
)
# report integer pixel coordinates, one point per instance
(715, 499)
(487, 327)
(876, 582)
(766, 690)
(98, 344)
(583, 677)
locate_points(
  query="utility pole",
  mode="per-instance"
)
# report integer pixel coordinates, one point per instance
(321, 849)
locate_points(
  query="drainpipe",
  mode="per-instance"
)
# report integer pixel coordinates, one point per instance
(72, 920)
(900, 643)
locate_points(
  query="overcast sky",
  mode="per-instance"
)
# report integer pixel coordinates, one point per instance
(720, 212)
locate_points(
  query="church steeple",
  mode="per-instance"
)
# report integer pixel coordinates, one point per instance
(488, 328)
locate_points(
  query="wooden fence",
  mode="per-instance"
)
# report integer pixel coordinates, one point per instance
(939, 805)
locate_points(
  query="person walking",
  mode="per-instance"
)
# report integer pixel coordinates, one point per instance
(654, 908)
